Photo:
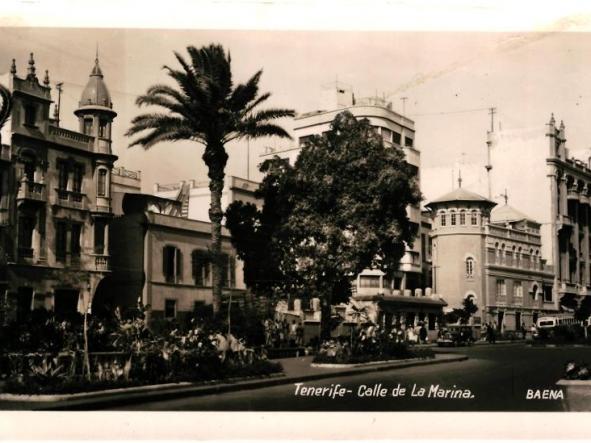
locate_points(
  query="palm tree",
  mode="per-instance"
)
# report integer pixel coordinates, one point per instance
(207, 108)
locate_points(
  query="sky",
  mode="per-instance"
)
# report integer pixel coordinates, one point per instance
(450, 79)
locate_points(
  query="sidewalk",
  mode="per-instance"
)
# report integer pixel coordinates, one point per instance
(295, 369)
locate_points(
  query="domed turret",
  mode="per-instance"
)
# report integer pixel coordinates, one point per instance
(95, 110)
(96, 92)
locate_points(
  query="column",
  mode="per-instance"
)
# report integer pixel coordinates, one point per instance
(575, 239)
(106, 239)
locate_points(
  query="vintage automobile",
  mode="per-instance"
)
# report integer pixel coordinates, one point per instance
(456, 335)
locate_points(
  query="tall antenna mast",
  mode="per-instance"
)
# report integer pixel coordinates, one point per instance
(489, 140)
(404, 99)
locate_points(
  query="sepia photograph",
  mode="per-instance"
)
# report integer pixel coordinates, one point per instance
(295, 220)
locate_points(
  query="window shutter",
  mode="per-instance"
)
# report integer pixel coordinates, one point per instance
(179, 265)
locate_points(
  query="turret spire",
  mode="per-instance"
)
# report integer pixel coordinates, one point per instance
(13, 67)
(46, 79)
(31, 70)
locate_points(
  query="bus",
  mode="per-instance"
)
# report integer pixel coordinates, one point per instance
(551, 321)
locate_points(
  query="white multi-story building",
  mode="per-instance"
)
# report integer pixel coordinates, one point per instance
(397, 131)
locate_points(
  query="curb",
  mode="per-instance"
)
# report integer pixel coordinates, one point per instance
(105, 399)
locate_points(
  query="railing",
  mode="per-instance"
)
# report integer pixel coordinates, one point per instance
(70, 198)
(122, 172)
(101, 263)
(171, 187)
(70, 135)
(32, 191)
(243, 184)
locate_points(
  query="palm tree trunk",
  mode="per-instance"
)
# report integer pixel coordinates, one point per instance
(215, 158)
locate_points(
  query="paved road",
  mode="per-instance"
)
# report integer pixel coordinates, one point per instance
(498, 377)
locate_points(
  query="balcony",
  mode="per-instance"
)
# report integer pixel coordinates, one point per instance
(102, 263)
(71, 138)
(32, 191)
(71, 199)
(5, 153)
(103, 205)
(4, 217)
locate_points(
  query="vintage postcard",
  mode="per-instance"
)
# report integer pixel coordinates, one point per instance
(265, 217)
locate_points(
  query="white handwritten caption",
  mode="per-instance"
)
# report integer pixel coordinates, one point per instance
(379, 391)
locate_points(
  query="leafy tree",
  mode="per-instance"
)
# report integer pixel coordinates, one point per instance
(261, 237)
(340, 209)
(464, 313)
(207, 108)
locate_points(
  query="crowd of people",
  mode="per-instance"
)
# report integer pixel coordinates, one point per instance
(282, 334)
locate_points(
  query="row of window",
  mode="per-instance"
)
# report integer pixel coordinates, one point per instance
(63, 246)
(65, 169)
(387, 135)
(518, 257)
(395, 137)
(172, 267)
(501, 290)
(458, 218)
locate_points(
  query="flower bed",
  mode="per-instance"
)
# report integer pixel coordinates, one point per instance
(38, 385)
(125, 353)
(376, 349)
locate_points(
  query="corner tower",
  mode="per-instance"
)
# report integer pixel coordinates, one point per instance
(95, 111)
(460, 221)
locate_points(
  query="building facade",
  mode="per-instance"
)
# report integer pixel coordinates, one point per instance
(54, 197)
(492, 256)
(570, 217)
(195, 196)
(160, 259)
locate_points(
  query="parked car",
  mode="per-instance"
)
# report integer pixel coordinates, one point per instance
(456, 335)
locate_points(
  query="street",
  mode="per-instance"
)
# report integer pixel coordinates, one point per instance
(497, 377)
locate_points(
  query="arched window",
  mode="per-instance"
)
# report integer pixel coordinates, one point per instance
(470, 267)
(101, 186)
(503, 253)
(442, 218)
(474, 218)
(462, 218)
(453, 218)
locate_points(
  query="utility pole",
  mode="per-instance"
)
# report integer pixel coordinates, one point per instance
(247, 158)
(505, 196)
(489, 140)
(56, 111)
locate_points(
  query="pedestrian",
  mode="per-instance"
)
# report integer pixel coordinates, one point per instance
(300, 335)
(292, 333)
(493, 331)
(423, 334)
(523, 330)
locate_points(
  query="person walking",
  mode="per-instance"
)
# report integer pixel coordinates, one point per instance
(423, 334)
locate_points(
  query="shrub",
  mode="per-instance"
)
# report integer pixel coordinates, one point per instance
(378, 348)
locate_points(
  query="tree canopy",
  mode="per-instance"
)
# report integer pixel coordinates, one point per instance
(340, 209)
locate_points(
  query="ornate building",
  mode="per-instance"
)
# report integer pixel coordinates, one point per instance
(55, 202)
(570, 200)
(492, 256)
